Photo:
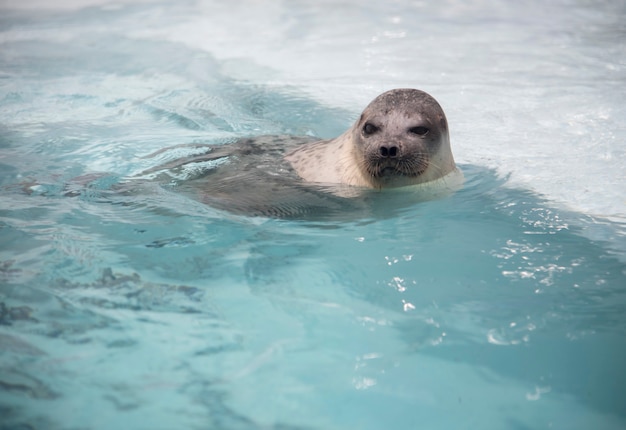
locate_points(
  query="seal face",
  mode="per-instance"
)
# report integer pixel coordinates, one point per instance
(400, 139)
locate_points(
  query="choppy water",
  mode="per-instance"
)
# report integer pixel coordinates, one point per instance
(498, 307)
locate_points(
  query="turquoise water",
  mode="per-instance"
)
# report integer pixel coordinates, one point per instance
(497, 307)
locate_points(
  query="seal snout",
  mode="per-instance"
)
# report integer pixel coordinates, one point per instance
(389, 151)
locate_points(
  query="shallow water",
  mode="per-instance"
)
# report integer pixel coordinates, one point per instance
(501, 306)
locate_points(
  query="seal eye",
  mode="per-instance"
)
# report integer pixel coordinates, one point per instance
(420, 131)
(369, 128)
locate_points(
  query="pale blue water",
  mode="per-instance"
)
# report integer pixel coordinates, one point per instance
(494, 308)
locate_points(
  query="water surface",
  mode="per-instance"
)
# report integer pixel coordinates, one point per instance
(501, 306)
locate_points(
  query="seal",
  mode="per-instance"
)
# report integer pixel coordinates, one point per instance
(400, 139)
(400, 142)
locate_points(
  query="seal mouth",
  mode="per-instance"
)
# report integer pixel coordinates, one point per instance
(379, 167)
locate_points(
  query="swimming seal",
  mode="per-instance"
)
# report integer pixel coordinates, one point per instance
(400, 139)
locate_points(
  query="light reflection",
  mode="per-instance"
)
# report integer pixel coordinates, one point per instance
(494, 337)
(398, 283)
(391, 260)
(544, 219)
(371, 355)
(438, 340)
(431, 321)
(538, 392)
(369, 321)
(363, 383)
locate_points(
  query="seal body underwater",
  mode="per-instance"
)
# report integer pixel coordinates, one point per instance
(401, 139)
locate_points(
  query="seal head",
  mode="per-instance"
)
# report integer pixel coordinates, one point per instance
(400, 139)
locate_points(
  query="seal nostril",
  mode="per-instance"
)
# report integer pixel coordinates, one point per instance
(389, 152)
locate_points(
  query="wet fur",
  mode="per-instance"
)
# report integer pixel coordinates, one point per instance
(353, 159)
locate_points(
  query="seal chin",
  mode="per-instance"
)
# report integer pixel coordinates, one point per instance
(388, 172)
